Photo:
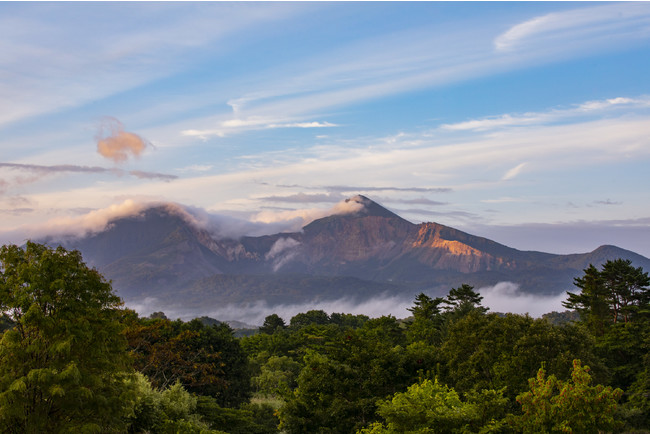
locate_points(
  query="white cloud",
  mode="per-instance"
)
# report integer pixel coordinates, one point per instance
(50, 63)
(506, 297)
(495, 122)
(196, 168)
(596, 107)
(431, 162)
(503, 297)
(93, 221)
(302, 217)
(255, 313)
(503, 200)
(303, 125)
(469, 166)
(282, 251)
(512, 173)
(234, 126)
(427, 58)
(608, 103)
(614, 21)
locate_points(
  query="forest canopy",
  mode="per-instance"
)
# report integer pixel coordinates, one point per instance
(73, 358)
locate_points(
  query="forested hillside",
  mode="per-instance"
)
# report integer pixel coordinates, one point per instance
(73, 358)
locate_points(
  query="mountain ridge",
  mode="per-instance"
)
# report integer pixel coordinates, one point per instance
(163, 253)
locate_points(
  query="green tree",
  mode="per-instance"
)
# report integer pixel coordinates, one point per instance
(462, 300)
(348, 320)
(554, 405)
(277, 375)
(637, 409)
(168, 410)
(207, 360)
(318, 317)
(427, 319)
(488, 351)
(248, 419)
(158, 315)
(5, 323)
(617, 293)
(431, 407)
(614, 304)
(426, 307)
(346, 372)
(235, 387)
(62, 364)
(272, 324)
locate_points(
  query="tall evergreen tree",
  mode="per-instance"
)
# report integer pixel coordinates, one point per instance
(617, 293)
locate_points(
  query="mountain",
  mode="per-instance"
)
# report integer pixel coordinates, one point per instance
(162, 253)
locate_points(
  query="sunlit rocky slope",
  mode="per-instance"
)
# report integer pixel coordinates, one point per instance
(160, 253)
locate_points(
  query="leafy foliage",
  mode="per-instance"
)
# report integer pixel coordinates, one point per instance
(431, 407)
(277, 376)
(272, 323)
(492, 351)
(206, 360)
(554, 405)
(63, 362)
(67, 347)
(170, 410)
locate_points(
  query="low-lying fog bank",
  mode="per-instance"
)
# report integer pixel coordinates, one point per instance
(502, 297)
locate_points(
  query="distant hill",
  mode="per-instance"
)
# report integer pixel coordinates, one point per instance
(161, 254)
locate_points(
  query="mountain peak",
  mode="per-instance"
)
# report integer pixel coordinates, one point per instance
(370, 208)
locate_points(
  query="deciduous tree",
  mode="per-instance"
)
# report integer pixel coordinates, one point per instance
(554, 405)
(272, 323)
(63, 361)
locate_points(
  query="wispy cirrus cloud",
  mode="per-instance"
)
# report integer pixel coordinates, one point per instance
(504, 200)
(352, 188)
(607, 202)
(50, 67)
(423, 58)
(465, 168)
(197, 168)
(303, 198)
(512, 173)
(415, 201)
(579, 26)
(597, 107)
(487, 156)
(43, 170)
(233, 126)
(355, 189)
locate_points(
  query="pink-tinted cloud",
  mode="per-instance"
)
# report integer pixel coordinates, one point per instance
(115, 143)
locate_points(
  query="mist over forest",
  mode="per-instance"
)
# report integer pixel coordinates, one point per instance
(504, 297)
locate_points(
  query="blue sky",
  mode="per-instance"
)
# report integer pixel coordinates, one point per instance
(527, 123)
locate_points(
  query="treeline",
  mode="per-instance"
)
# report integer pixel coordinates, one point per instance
(72, 358)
